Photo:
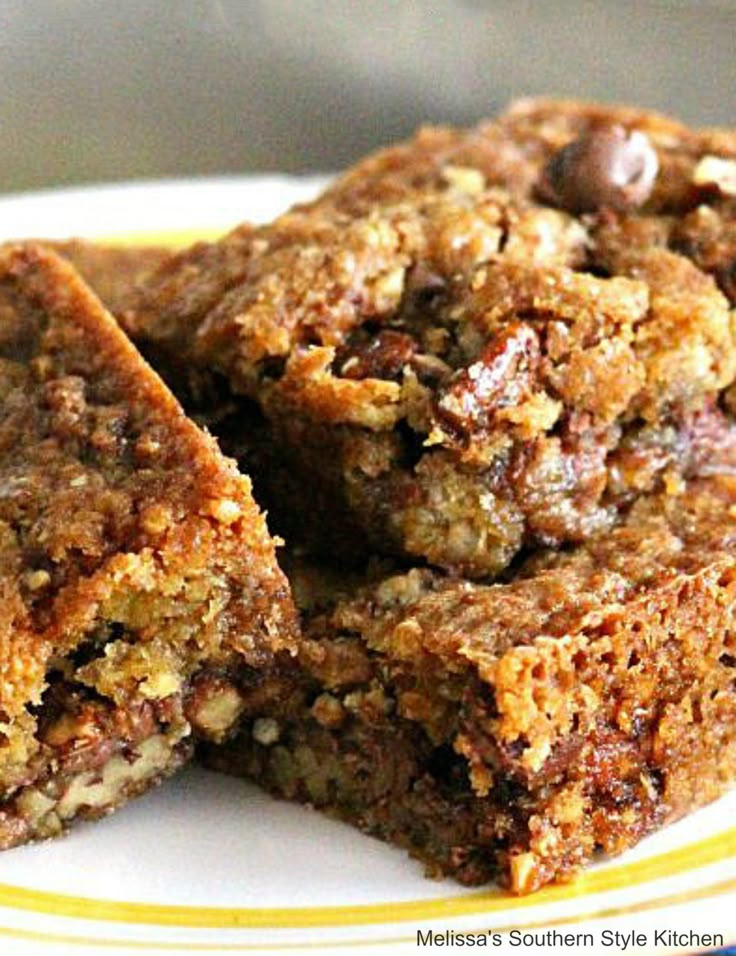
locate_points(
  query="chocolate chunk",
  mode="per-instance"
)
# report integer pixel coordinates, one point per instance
(609, 166)
(383, 356)
(425, 284)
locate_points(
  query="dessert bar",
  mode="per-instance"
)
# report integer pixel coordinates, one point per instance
(140, 598)
(514, 730)
(474, 344)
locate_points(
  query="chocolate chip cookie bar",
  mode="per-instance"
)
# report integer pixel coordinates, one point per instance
(140, 599)
(474, 344)
(515, 730)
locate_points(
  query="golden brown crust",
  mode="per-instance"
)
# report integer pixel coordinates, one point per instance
(461, 366)
(132, 554)
(112, 272)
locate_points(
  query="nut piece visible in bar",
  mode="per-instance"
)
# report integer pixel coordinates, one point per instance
(266, 731)
(714, 171)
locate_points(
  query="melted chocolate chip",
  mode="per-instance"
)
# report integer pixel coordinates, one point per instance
(424, 284)
(384, 356)
(607, 167)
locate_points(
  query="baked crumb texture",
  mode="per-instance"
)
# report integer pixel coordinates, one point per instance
(513, 730)
(113, 272)
(140, 600)
(474, 343)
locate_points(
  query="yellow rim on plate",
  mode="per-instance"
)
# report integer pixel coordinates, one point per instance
(712, 891)
(713, 849)
(176, 239)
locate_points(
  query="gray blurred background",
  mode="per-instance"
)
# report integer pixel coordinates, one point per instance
(96, 90)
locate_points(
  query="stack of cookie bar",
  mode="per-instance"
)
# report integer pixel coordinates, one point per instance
(485, 387)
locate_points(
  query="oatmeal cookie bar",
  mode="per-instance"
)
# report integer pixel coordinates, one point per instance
(140, 599)
(475, 343)
(514, 730)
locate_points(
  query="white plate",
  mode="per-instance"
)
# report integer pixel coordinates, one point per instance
(208, 864)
